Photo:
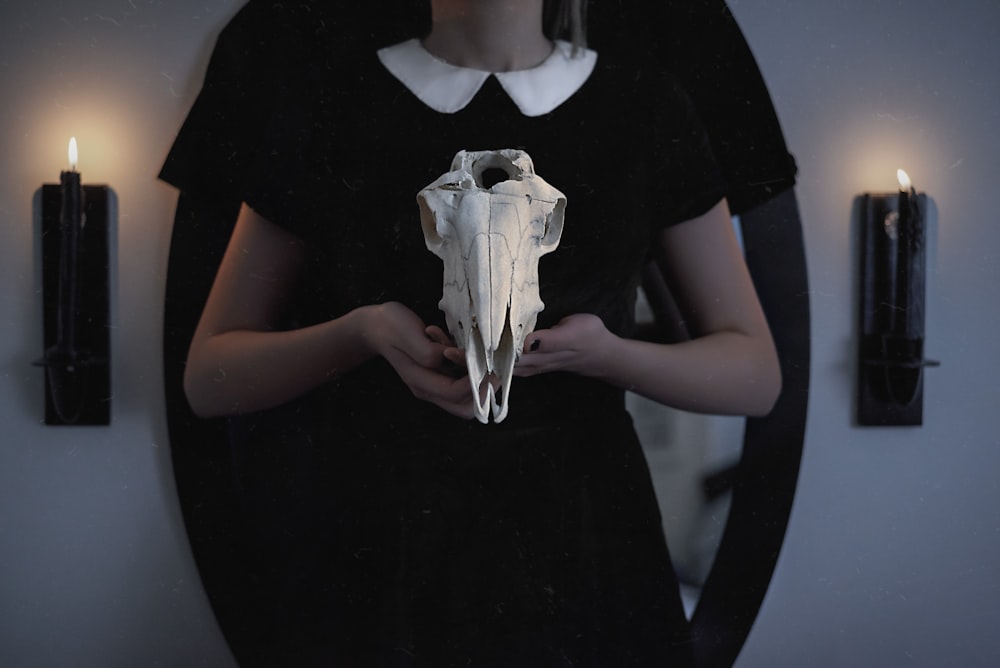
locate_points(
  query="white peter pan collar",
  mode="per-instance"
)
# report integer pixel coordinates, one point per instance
(447, 88)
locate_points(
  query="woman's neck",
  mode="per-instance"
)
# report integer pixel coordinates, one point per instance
(491, 35)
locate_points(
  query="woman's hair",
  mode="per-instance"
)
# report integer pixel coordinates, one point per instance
(567, 19)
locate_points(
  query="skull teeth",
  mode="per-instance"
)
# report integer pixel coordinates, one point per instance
(490, 372)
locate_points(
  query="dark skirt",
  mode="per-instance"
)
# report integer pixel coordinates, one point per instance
(415, 539)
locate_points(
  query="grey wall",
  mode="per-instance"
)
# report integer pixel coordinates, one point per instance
(892, 557)
(94, 565)
(893, 552)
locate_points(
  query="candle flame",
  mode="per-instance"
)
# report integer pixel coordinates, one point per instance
(904, 179)
(73, 153)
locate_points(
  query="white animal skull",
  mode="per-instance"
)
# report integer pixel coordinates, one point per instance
(490, 239)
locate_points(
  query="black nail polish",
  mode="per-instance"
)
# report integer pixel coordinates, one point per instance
(534, 345)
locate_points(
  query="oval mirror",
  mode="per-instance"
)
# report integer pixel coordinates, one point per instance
(742, 484)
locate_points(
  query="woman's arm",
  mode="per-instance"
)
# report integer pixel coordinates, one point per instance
(239, 363)
(730, 367)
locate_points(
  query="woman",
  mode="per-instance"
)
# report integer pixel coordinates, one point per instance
(409, 534)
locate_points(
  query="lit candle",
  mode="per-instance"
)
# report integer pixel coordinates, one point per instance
(904, 196)
(70, 221)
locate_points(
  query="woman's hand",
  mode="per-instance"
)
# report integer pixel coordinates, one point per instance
(423, 357)
(579, 343)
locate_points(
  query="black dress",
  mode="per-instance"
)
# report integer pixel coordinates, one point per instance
(403, 536)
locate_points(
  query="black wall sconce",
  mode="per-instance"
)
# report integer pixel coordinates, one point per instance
(76, 265)
(893, 276)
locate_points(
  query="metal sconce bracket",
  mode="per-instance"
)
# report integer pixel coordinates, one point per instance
(77, 374)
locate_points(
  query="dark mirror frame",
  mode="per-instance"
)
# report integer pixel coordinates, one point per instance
(722, 78)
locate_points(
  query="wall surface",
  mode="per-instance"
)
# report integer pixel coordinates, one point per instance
(892, 557)
(893, 552)
(94, 564)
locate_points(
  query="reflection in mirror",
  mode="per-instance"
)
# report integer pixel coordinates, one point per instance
(692, 459)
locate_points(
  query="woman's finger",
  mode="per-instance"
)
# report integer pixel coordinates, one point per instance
(456, 356)
(452, 353)
(438, 335)
(531, 364)
(431, 384)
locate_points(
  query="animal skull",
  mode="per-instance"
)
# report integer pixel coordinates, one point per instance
(490, 239)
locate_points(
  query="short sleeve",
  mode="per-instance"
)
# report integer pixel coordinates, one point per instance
(726, 87)
(702, 45)
(249, 123)
(218, 139)
(686, 181)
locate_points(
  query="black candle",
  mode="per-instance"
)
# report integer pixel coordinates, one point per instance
(904, 258)
(70, 222)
